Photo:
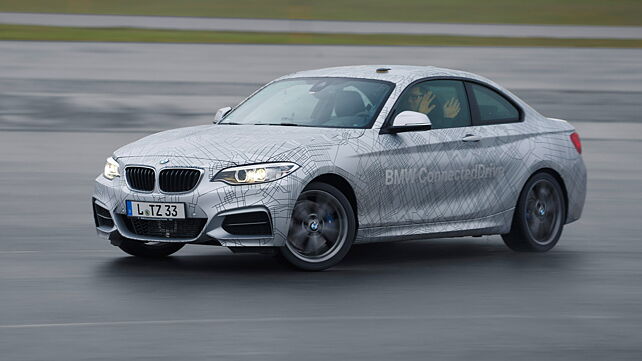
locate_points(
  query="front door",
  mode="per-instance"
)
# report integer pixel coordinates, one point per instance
(436, 175)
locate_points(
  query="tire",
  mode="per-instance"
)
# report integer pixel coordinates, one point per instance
(539, 216)
(149, 249)
(322, 229)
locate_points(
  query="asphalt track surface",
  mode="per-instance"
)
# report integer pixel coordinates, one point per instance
(326, 27)
(67, 295)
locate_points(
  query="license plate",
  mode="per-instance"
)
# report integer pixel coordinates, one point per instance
(156, 210)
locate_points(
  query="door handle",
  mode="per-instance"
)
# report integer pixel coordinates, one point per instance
(471, 138)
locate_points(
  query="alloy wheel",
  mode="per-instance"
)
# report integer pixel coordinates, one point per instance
(318, 227)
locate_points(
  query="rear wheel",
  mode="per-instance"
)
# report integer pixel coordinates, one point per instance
(149, 249)
(539, 217)
(322, 229)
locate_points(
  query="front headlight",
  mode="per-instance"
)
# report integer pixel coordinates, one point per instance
(255, 173)
(111, 169)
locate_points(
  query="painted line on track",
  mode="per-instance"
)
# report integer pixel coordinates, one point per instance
(311, 319)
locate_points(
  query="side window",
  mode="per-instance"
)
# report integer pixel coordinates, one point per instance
(444, 101)
(493, 107)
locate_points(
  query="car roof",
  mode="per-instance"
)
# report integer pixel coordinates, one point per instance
(398, 74)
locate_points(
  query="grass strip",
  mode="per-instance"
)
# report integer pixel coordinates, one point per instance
(52, 33)
(570, 12)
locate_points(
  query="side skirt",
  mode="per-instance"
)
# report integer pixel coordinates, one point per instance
(495, 224)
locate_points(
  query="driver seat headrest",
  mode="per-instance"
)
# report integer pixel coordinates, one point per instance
(348, 102)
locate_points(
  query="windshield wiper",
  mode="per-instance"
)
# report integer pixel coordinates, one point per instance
(283, 124)
(231, 123)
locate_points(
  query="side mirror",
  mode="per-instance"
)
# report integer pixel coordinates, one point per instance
(408, 121)
(221, 113)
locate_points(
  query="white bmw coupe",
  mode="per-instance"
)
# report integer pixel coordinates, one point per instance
(316, 161)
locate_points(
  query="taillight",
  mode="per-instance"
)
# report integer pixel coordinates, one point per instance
(575, 139)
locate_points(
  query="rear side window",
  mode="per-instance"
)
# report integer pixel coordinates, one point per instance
(493, 107)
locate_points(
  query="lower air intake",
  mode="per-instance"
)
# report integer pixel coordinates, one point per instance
(187, 228)
(102, 217)
(247, 224)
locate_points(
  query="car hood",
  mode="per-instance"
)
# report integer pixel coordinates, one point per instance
(234, 143)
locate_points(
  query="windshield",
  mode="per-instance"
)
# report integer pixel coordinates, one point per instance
(314, 102)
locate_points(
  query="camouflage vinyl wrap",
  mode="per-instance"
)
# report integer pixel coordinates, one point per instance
(408, 185)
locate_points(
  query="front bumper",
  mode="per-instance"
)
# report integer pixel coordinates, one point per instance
(213, 211)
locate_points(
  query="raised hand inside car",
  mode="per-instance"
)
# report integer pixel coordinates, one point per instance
(426, 105)
(452, 108)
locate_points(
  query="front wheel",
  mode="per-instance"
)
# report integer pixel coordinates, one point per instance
(539, 216)
(149, 249)
(322, 228)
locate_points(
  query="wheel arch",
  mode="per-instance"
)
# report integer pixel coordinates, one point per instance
(342, 185)
(558, 177)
